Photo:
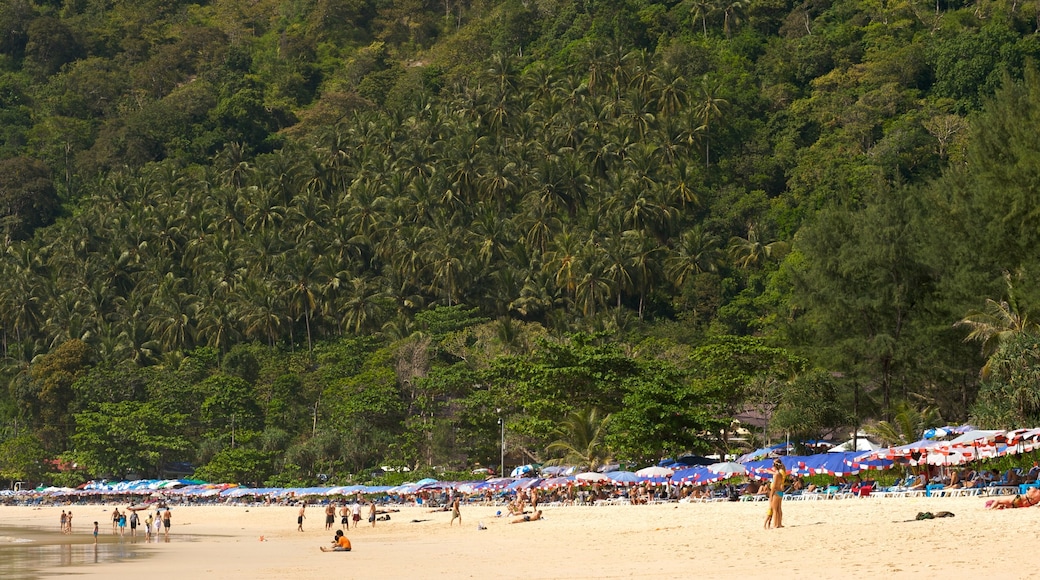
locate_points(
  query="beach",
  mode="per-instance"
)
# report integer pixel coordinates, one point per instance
(821, 539)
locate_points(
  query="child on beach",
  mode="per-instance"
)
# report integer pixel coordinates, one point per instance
(95, 532)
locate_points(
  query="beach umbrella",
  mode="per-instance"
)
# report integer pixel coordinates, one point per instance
(977, 438)
(623, 477)
(763, 453)
(592, 477)
(426, 481)
(554, 470)
(655, 475)
(698, 475)
(727, 468)
(655, 471)
(695, 460)
(523, 470)
(555, 482)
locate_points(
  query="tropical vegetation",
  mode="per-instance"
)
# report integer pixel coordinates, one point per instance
(292, 240)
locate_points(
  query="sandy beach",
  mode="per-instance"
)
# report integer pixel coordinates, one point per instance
(821, 539)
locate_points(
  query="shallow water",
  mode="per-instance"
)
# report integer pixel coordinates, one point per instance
(30, 553)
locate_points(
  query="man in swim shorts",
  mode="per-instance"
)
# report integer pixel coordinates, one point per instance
(166, 522)
(330, 516)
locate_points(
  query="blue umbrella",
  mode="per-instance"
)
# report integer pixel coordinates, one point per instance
(523, 470)
(623, 477)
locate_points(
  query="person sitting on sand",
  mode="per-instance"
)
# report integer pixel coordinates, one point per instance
(1030, 499)
(530, 518)
(340, 543)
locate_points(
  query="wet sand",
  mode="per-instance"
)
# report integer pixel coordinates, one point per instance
(821, 539)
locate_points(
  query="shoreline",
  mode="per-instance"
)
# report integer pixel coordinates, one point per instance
(824, 539)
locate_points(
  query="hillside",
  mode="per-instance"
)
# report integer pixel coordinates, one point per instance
(320, 236)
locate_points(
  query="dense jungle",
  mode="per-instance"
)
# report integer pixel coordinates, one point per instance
(291, 241)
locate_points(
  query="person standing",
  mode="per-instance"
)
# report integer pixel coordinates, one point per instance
(455, 513)
(330, 516)
(166, 521)
(300, 517)
(372, 513)
(777, 490)
(95, 532)
(134, 519)
(355, 512)
(148, 527)
(115, 519)
(122, 523)
(68, 523)
(64, 521)
(344, 516)
(158, 523)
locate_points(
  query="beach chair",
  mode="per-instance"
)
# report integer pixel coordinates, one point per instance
(934, 490)
(897, 489)
(1024, 487)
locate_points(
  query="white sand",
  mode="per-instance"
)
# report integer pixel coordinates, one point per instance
(822, 539)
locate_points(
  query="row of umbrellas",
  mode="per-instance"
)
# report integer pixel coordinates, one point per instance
(968, 446)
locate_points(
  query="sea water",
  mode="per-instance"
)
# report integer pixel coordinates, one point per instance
(30, 553)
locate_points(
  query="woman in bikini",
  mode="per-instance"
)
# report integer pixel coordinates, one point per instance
(777, 493)
(1030, 499)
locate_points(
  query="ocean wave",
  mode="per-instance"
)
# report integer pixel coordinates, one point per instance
(14, 540)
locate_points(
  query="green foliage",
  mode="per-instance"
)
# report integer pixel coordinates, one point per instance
(582, 440)
(335, 182)
(28, 198)
(22, 458)
(238, 465)
(663, 414)
(907, 426)
(120, 438)
(1012, 398)
(809, 407)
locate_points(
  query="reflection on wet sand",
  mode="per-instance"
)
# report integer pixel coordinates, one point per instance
(28, 553)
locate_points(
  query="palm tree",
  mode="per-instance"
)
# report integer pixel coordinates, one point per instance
(363, 305)
(581, 439)
(908, 424)
(751, 251)
(701, 10)
(732, 11)
(697, 252)
(997, 322)
(709, 107)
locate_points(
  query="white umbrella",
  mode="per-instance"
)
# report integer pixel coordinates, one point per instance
(592, 477)
(977, 437)
(654, 471)
(727, 468)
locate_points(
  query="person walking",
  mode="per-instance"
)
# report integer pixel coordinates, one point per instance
(148, 527)
(134, 520)
(455, 513)
(300, 517)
